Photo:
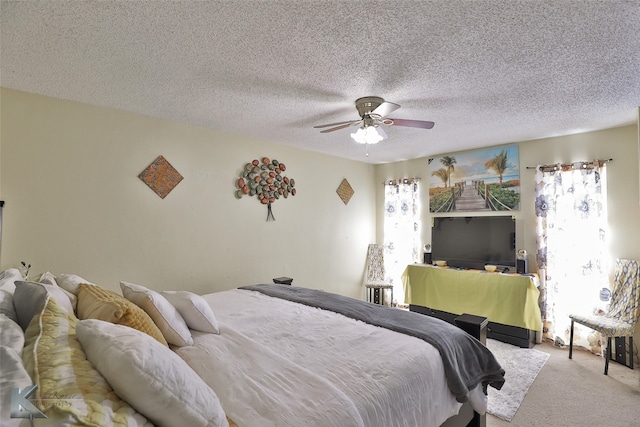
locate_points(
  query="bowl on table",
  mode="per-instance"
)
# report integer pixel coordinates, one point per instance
(441, 263)
(490, 268)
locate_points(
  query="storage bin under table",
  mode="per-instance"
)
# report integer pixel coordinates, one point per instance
(509, 301)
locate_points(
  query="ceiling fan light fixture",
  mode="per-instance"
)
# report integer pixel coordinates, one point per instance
(368, 135)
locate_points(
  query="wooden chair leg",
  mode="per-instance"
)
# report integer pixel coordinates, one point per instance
(607, 356)
(571, 341)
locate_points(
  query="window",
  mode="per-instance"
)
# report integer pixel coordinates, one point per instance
(571, 224)
(401, 231)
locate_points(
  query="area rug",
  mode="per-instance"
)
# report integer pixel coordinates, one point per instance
(521, 366)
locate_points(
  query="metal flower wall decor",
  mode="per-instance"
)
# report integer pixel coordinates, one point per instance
(265, 179)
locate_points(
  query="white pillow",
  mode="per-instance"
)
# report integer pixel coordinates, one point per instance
(49, 279)
(12, 375)
(6, 305)
(194, 309)
(149, 376)
(8, 279)
(11, 335)
(29, 298)
(164, 315)
(71, 282)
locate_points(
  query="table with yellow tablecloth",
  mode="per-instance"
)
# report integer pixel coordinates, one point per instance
(508, 299)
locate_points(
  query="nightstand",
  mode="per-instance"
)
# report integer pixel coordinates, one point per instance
(376, 294)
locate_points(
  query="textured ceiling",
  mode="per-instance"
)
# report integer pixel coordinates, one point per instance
(486, 72)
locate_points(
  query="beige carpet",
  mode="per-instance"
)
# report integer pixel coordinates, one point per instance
(569, 393)
(521, 366)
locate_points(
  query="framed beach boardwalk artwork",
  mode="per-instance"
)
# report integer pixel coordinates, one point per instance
(485, 180)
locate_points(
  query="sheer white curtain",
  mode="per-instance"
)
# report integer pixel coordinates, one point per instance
(401, 231)
(571, 224)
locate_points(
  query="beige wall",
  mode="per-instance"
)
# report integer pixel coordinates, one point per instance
(74, 204)
(68, 174)
(620, 144)
(623, 177)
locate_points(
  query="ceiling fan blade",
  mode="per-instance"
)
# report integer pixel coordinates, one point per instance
(382, 133)
(385, 108)
(412, 123)
(335, 124)
(345, 125)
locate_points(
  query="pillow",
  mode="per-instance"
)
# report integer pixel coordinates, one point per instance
(12, 375)
(70, 282)
(152, 378)
(49, 279)
(95, 302)
(6, 305)
(194, 309)
(54, 358)
(166, 317)
(29, 298)
(11, 334)
(8, 279)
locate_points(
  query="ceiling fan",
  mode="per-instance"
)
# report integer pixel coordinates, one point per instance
(373, 112)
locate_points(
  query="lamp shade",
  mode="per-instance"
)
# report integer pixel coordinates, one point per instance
(369, 135)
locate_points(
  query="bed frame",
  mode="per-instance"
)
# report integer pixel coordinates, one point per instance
(467, 417)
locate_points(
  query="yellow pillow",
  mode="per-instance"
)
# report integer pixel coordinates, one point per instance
(95, 302)
(70, 389)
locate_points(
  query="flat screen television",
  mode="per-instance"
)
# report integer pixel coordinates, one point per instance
(474, 241)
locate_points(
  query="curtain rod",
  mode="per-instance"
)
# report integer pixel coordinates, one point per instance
(401, 181)
(552, 167)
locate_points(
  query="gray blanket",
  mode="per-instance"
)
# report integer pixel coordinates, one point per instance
(467, 362)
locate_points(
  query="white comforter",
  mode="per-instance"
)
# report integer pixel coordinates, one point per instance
(279, 363)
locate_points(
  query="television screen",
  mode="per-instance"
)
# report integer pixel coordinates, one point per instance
(473, 242)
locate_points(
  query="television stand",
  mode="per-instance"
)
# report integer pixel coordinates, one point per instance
(509, 301)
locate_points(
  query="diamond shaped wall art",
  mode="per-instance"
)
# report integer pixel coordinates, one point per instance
(161, 177)
(345, 191)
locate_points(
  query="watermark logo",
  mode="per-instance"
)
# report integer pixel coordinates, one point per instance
(23, 408)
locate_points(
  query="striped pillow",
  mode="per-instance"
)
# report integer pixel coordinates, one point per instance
(69, 388)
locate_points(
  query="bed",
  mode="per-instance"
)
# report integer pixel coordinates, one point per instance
(262, 355)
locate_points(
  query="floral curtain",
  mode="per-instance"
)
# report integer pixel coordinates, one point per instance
(401, 231)
(571, 218)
